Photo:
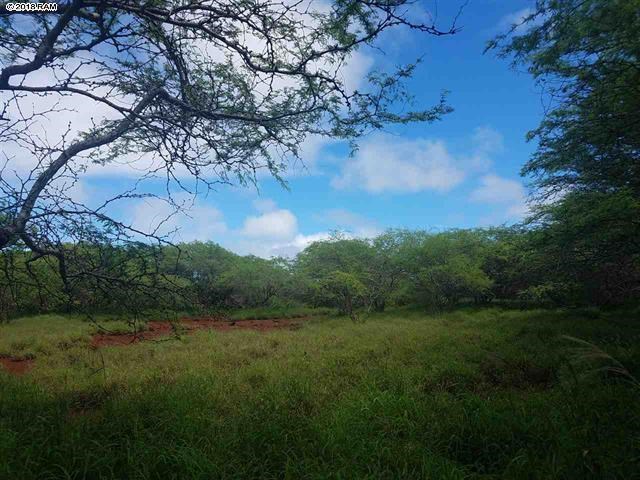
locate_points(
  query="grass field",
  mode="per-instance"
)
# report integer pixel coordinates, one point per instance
(469, 394)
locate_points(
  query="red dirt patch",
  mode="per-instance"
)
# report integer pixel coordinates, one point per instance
(163, 329)
(156, 329)
(17, 366)
(226, 325)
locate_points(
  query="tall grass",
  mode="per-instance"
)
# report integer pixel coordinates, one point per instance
(466, 394)
(598, 361)
(264, 313)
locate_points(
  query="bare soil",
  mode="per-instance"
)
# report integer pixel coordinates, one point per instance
(164, 329)
(17, 366)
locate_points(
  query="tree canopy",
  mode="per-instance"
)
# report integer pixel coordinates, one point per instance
(586, 169)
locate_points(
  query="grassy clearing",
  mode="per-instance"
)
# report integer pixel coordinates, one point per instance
(468, 394)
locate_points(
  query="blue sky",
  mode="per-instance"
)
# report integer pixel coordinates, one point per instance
(462, 171)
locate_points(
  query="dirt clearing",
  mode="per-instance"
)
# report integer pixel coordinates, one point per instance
(164, 329)
(17, 366)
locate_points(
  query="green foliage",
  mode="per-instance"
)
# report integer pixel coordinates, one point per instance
(585, 55)
(290, 311)
(344, 290)
(336, 273)
(387, 271)
(28, 284)
(445, 268)
(450, 281)
(547, 294)
(582, 245)
(201, 264)
(591, 239)
(252, 281)
(578, 252)
(398, 266)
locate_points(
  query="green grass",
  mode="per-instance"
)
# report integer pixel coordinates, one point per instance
(264, 313)
(44, 335)
(468, 394)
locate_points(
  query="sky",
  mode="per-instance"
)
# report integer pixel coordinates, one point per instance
(462, 171)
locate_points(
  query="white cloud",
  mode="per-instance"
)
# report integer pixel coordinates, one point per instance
(192, 221)
(515, 19)
(486, 140)
(385, 163)
(351, 223)
(301, 241)
(274, 232)
(496, 190)
(354, 72)
(295, 245)
(282, 248)
(276, 224)
(264, 205)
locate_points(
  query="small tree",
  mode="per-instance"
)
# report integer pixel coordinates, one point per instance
(450, 280)
(345, 262)
(343, 290)
(202, 264)
(386, 270)
(253, 281)
(447, 267)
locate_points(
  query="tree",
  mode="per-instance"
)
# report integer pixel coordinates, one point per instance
(512, 261)
(209, 90)
(447, 267)
(588, 245)
(337, 273)
(344, 290)
(386, 269)
(254, 282)
(203, 265)
(584, 53)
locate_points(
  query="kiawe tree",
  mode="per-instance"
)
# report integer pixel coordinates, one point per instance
(193, 92)
(586, 56)
(337, 272)
(254, 282)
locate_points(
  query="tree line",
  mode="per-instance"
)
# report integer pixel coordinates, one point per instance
(574, 254)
